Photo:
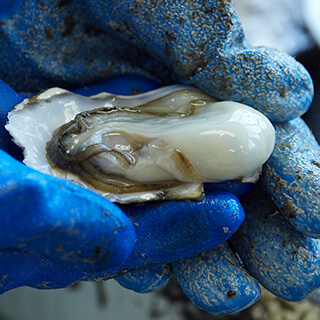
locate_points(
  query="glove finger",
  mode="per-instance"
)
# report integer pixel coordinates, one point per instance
(284, 261)
(266, 79)
(171, 230)
(144, 280)
(57, 218)
(216, 282)
(291, 176)
(168, 231)
(22, 268)
(216, 58)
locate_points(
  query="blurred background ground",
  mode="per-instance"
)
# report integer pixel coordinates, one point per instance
(109, 301)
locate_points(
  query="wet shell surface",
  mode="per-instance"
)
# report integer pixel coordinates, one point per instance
(162, 144)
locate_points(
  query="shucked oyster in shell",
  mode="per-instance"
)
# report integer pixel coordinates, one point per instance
(158, 145)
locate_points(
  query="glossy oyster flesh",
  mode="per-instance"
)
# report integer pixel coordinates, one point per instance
(161, 144)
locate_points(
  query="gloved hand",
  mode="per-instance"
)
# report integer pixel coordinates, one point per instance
(215, 59)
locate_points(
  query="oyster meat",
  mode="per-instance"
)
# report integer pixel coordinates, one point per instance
(158, 145)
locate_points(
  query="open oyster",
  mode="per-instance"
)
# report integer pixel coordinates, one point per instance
(158, 145)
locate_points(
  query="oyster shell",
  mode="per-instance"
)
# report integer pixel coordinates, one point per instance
(158, 145)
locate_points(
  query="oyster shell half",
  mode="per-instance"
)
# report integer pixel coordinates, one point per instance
(158, 145)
